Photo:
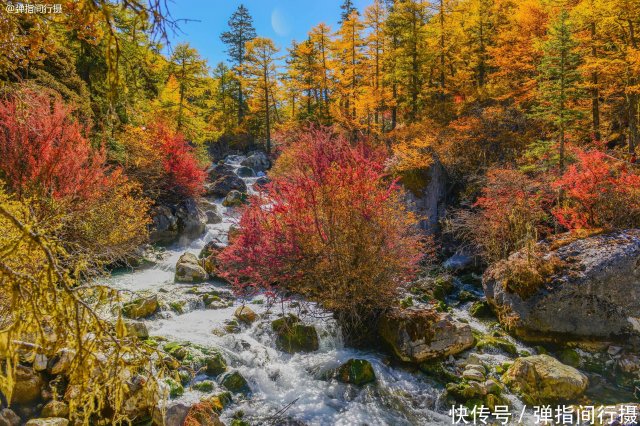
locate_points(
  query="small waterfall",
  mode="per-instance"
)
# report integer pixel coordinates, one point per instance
(279, 380)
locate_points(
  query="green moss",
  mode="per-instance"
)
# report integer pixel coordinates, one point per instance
(178, 306)
(570, 357)
(480, 309)
(204, 386)
(442, 286)
(185, 377)
(176, 350)
(175, 389)
(407, 302)
(292, 336)
(215, 364)
(466, 296)
(437, 371)
(356, 372)
(484, 342)
(235, 383)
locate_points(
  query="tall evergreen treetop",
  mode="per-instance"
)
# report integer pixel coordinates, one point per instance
(240, 31)
(347, 8)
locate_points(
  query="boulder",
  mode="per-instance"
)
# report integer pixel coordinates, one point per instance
(225, 184)
(245, 314)
(51, 421)
(234, 199)
(427, 195)
(189, 270)
(235, 383)
(257, 161)
(582, 289)
(219, 170)
(55, 409)
(210, 211)
(542, 379)
(245, 172)
(208, 257)
(292, 336)
(9, 418)
(356, 372)
(61, 362)
(137, 328)
(164, 227)
(202, 414)
(215, 364)
(142, 307)
(28, 385)
(419, 335)
(192, 220)
(174, 414)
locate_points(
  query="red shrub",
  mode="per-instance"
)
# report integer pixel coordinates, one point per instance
(511, 213)
(599, 192)
(43, 151)
(330, 227)
(184, 177)
(162, 161)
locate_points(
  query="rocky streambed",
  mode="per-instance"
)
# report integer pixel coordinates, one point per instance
(245, 362)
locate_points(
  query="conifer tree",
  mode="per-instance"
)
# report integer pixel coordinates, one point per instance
(240, 31)
(559, 80)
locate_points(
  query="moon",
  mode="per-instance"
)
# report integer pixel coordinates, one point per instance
(279, 23)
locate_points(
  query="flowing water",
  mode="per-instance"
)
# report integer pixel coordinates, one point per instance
(291, 387)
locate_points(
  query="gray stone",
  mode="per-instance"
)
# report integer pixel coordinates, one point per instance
(225, 184)
(189, 269)
(245, 172)
(419, 335)
(164, 226)
(258, 161)
(9, 418)
(595, 293)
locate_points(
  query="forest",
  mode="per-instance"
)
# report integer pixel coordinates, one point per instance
(427, 213)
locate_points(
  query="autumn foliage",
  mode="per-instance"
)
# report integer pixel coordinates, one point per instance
(599, 192)
(46, 159)
(43, 151)
(162, 161)
(331, 227)
(512, 212)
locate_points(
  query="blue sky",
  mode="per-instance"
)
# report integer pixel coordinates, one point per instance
(280, 20)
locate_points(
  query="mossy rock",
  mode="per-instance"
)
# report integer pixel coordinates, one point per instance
(541, 379)
(570, 357)
(480, 309)
(175, 388)
(176, 350)
(215, 364)
(356, 372)
(292, 336)
(204, 386)
(185, 377)
(484, 342)
(442, 286)
(245, 314)
(232, 326)
(220, 402)
(235, 383)
(141, 308)
(466, 296)
(177, 306)
(437, 371)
